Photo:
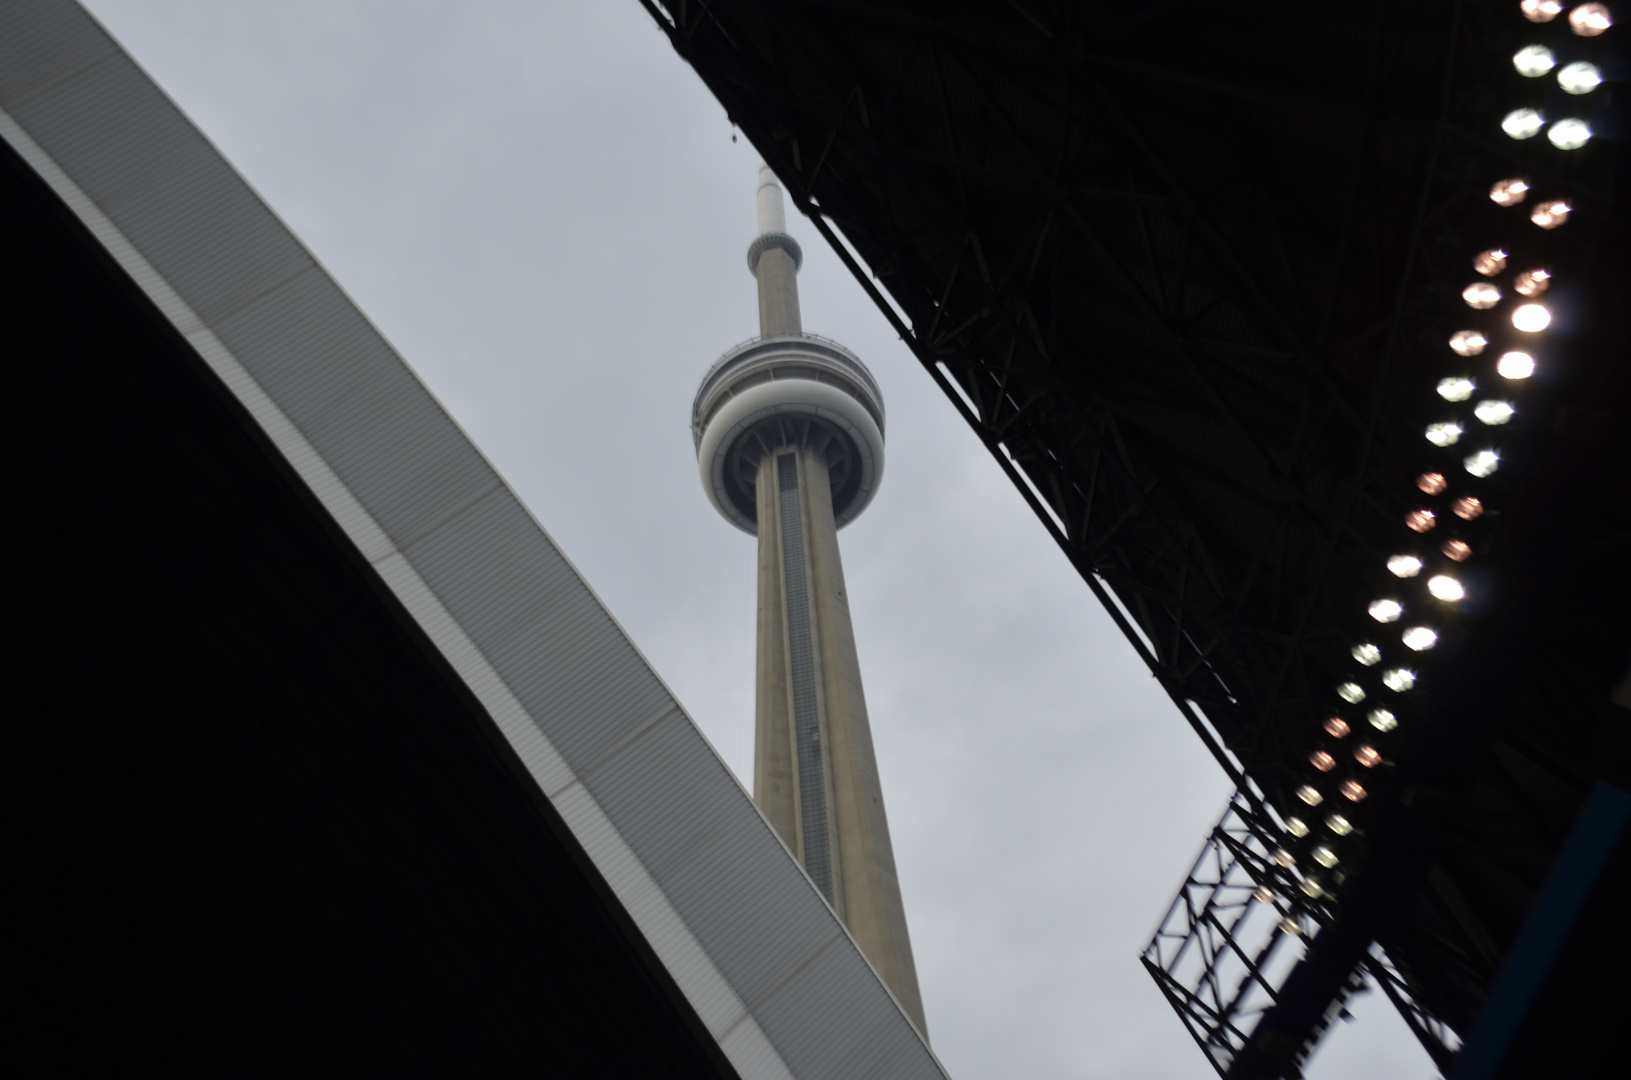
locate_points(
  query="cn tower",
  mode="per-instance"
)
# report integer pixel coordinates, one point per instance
(789, 438)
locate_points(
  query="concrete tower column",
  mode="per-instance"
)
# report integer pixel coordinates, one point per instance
(789, 434)
(815, 774)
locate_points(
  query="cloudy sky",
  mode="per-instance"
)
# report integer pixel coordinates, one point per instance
(543, 209)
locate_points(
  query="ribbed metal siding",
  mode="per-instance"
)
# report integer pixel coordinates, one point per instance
(489, 586)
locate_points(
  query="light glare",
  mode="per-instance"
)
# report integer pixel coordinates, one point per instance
(1532, 282)
(1310, 795)
(1419, 520)
(1522, 123)
(1384, 611)
(1351, 692)
(1533, 61)
(1489, 263)
(1541, 10)
(1368, 757)
(1382, 720)
(1431, 482)
(1549, 215)
(1456, 389)
(1404, 566)
(1399, 679)
(1531, 318)
(1481, 295)
(1419, 638)
(1509, 192)
(1493, 412)
(1322, 761)
(1353, 790)
(1339, 825)
(1367, 654)
(1468, 342)
(1443, 434)
(1458, 550)
(1325, 856)
(1296, 826)
(1336, 727)
(1482, 464)
(1467, 508)
(1445, 587)
(1570, 134)
(1589, 20)
(1515, 365)
(1579, 77)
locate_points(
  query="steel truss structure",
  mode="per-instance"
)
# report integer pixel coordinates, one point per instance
(1187, 271)
(1236, 928)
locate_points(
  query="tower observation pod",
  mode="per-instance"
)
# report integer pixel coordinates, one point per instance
(789, 438)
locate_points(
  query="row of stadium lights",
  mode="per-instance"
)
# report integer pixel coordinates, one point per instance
(1528, 317)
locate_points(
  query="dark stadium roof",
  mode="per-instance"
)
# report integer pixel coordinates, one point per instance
(1189, 271)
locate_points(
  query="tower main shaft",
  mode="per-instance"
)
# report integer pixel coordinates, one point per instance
(790, 440)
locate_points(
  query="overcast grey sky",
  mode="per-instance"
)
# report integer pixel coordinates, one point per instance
(541, 206)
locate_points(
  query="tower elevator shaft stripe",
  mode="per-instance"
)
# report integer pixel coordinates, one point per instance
(801, 654)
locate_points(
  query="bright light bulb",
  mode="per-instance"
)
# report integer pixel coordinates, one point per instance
(1522, 123)
(1570, 134)
(1532, 282)
(1443, 434)
(1493, 412)
(1541, 10)
(1399, 679)
(1431, 482)
(1531, 318)
(1458, 550)
(1289, 927)
(1382, 720)
(1515, 365)
(1533, 61)
(1481, 295)
(1549, 215)
(1368, 757)
(1353, 790)
(1482, 464)
(1467, 508)
(1419, 520)
(1351, 692)
(1325, 856)
(1367, 654)
(1322, 761)
(1468, 342)
(1385, 611)
(1445, 587)
(1579, 78)
(1263, 894)
(1296, 826)
(1404, 566)
(1589, 20)
(1419, 638)
(1285, 858)
(1509, 192)
(1489, 263)
(1336, 727)
(1310, 795)
(1456, 389)
(1339, 825)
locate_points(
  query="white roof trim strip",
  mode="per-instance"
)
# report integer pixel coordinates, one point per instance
(759, 955)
